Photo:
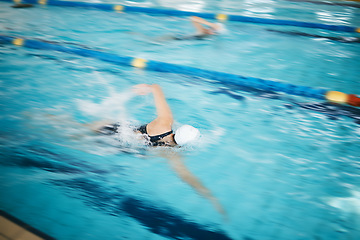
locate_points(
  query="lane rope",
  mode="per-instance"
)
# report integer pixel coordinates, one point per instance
(173, 12)
(268, 85)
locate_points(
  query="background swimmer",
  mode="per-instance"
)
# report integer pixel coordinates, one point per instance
(211, 29)
(204, 29)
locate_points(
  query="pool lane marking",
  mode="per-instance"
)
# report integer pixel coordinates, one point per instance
(119, 8)
(18, 41)
(222, 17)
(342, 98)
(139, 62)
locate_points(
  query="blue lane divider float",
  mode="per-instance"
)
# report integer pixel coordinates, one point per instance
(172, 12)
(228, 78)
(345, 3)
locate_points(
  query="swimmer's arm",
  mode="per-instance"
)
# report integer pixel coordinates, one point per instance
(199, 28)
(163, 110)
(164, 119)
(197, 21)
(180, 168)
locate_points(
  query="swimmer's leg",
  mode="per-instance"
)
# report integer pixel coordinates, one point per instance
(67, 120)
(99, 125)
(22, 5)
(165, 38)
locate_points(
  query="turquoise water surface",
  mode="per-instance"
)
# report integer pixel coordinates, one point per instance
(283, 167)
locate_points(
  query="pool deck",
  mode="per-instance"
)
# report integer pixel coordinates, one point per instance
(12, 228)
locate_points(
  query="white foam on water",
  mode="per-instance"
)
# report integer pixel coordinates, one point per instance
(347, 204)
(112, 109)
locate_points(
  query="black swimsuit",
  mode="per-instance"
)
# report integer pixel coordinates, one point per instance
(111, 129)
(154, 140)
(200, 36)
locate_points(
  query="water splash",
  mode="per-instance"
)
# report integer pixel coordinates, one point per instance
(348, 205)
(111, 107)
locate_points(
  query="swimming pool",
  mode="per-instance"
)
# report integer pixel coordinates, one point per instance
(282, 166)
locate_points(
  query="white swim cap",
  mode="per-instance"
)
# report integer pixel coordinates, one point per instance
(186, 134)
(220, 28)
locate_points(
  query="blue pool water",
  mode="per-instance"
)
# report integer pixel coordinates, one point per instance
(283, 167)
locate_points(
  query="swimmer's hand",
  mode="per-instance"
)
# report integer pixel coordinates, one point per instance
(142, 89)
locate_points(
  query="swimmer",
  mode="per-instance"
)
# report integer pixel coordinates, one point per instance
(159, 133)
(211, 29)
(204, 29)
